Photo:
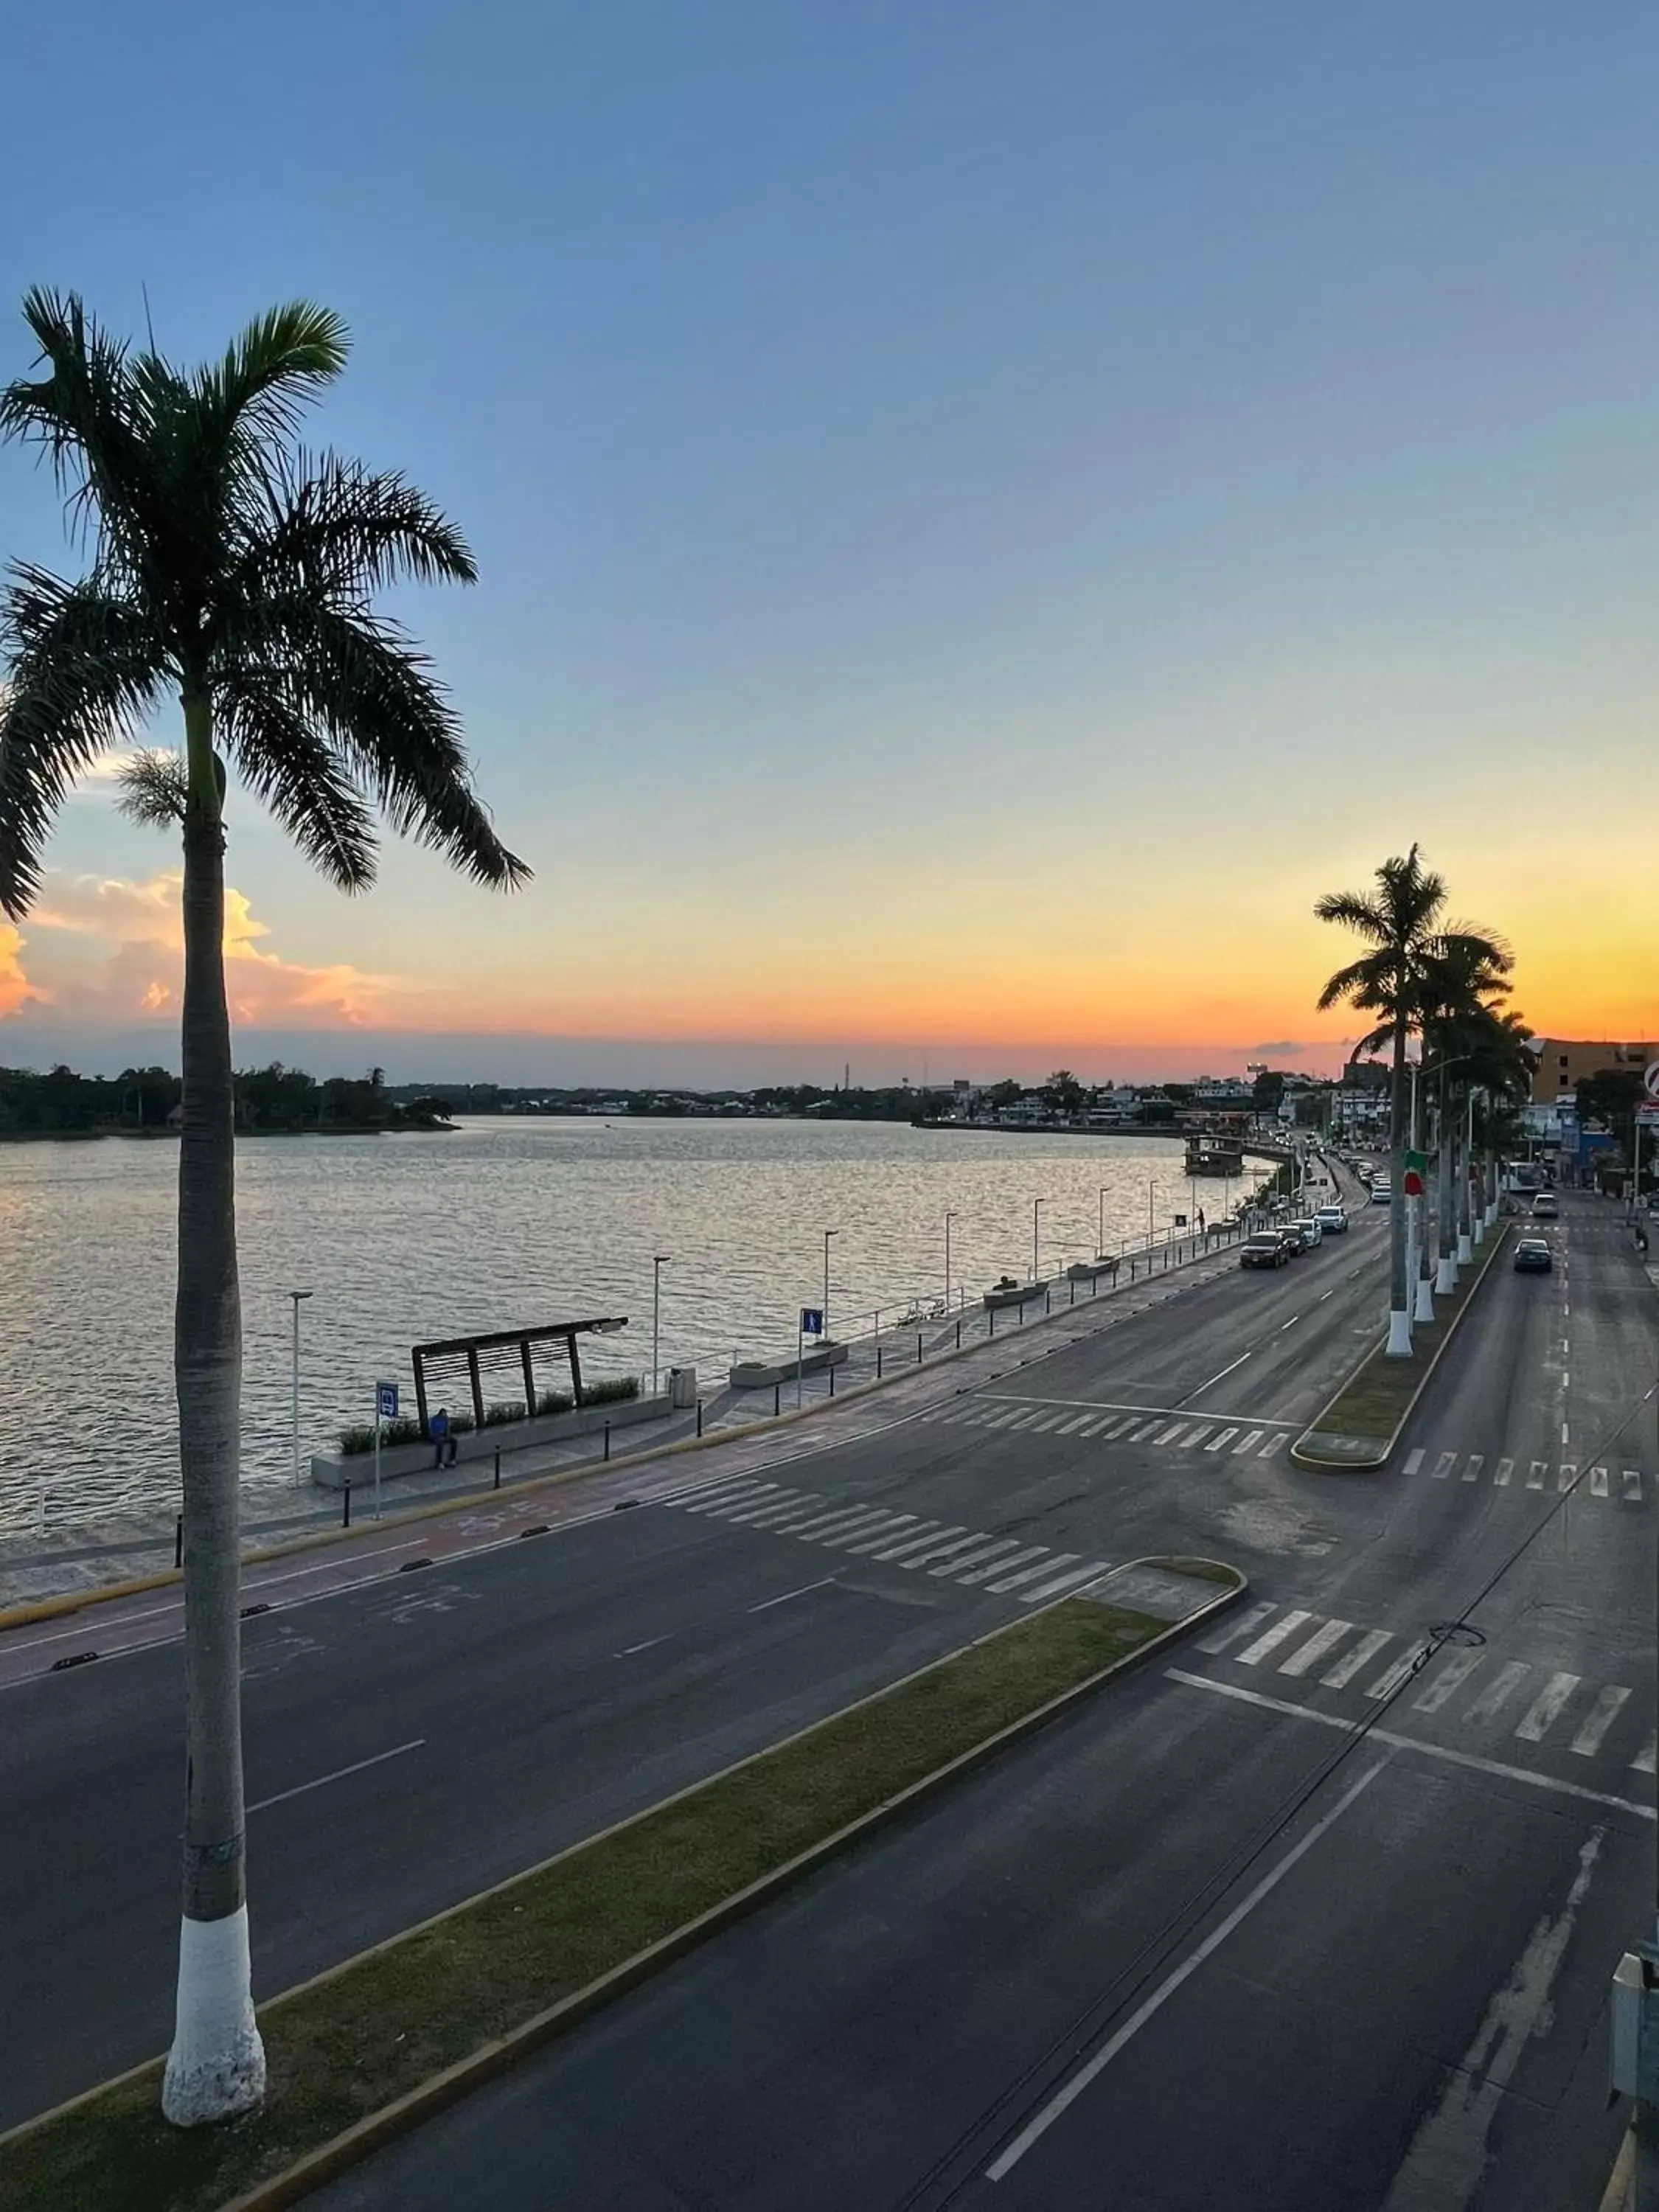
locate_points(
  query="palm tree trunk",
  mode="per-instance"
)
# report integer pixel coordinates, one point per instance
(1400, 1316)
(217, 2065)
(1446, 1196)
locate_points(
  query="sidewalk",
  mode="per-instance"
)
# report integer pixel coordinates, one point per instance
(550, 1485)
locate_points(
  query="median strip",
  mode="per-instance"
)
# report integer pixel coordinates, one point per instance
(1357, 1430)
(367, 2050)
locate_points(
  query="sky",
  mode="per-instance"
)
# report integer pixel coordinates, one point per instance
(984, 512)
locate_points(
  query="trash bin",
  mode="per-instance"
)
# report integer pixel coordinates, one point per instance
(682, 1389)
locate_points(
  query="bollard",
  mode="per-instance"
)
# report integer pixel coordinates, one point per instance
(179, 1542)
(958, 1332)
(777, 1402)
(1047, 1302)
(346, 1520)
(917, 1347)
(607, 1440)
(1022, 1313)
(991, 1318)
(700, 1417)
(1072, 1286)
(832, 1381)
(498, 1467)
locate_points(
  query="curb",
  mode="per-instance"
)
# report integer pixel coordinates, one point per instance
(67, 1602)
(406, 2112)
(1617, 2196)
(1370, 1466)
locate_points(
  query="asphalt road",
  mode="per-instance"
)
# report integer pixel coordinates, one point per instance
(1302, 1917)
(414, 1737)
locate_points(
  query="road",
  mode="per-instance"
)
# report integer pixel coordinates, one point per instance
(411, 1737)
(1296, 1919)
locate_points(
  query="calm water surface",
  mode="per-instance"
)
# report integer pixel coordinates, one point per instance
(497, 1226)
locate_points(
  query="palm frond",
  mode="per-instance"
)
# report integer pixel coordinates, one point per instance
(330, 527)
(277, 365)
(87, 416)
(153, 788)
(84, 671)
(287, 764)
(1353, 910)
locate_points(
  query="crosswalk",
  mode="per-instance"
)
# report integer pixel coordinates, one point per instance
(1132, 1424)
(978, 1559)
(1622, 1485)
(1469, 1683)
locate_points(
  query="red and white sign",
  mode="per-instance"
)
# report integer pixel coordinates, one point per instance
(1650, 1080)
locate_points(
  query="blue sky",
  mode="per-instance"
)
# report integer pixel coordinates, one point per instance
(984, 510)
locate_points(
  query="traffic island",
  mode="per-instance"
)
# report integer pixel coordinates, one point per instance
(1358, 1428)
(368, 2050)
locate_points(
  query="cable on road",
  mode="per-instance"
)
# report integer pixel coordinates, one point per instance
(1001, 2117)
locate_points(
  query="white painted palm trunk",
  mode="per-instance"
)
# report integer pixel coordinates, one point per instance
(1400, 1334)
(1465, 1245)
(1424, 1309)
(216, 2066)
(1446, 1274)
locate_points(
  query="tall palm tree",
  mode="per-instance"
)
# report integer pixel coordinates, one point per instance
(1398, 921)
(232, 569)
(1466, 976)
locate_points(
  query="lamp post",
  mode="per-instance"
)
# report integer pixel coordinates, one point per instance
(828, 1234)
(1036, 1208)
(298, 1298)
(1150, 1186)
(659, 1262)
(1100, 1232)
(949, 1218)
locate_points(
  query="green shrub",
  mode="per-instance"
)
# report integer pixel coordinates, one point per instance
(506, 1410)
(613, 1392)
(359, 1436)
(554, 1401)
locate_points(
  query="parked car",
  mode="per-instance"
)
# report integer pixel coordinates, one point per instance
(1381, 1190)
(1544, 1206)
(1265, 1248)
(1312, 1234)
(1533, 1257)
(1332, 1220)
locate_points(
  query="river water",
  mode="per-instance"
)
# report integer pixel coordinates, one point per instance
(499, 1225)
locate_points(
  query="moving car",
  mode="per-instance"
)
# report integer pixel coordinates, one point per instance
(1312, 1234)
(1265, 1248)
(1544, 1206)
(1332, 1220)
(1531, 1257)
(1381, 1190)
(1289, 1234)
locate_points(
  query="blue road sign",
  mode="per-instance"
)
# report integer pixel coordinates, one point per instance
(385, 1400)
(811, 1321)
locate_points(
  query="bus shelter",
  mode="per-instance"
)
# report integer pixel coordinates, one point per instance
(507, 1356)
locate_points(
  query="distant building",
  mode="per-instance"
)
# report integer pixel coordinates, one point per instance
(1561, 1062)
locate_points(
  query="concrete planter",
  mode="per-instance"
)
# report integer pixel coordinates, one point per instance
(358, 1467)
(761, 1374)
(1021, 1294)
(1089, 1271)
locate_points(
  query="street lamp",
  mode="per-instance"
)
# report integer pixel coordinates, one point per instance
(298, 1296)
(828, 1234)
(1150, 1186)
(1036, 1208)
(659, 1262)
(1100, 1234)
(949, 1218)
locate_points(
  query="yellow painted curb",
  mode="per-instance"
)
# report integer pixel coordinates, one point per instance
(406, 2112)
(51, 1608)
(1370, 1466)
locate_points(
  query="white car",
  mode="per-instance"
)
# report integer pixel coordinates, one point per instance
(1544, 1206)
(1307, 1226)
(1382, 1191)
(1332, 1220)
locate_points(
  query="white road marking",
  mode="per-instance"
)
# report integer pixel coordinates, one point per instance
(1545, 1708)
(1391, 1677)
(1413, 1460)
(1443, 1466)
(1536, 1474)
(1505, 1469)
(1602, 1715)
(1030, 1574)
(1290, 1324)
(1196, 1436)
(1444, 1752)
(1223, 1436)
(1450, 2153)
(918, 1528)
(1239, 1449)
(1242, 1624)
(1271, 1445)
(968, 1544)
(996, 1548)
(1001, 1566)
(1170, 1434)
(1089, 1574)
(1473, 1465)
(1497, 1692)
(869, 1532)
(1076, 1422)
(1644, 1760)
(339, 1775)
(1449, 1678)
(1565, 1479)
(1280, 1632)
(1321, 1641)
(1632, 1486)
(1041, 2122)
(1216, 1378)
(923, 1546)
(1598, 1482)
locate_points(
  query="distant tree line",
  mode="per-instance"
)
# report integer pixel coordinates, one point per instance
(270, 1101)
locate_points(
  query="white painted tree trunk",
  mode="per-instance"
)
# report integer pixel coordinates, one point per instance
(217, 2063)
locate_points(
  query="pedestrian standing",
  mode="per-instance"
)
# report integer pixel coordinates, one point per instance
(438, 1428)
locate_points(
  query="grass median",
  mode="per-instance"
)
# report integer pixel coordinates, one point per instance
(1358, 1429)
(353, 2041)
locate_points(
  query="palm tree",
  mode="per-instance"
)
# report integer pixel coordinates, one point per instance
(1465, 978)
(229, 566)
(1398, 919)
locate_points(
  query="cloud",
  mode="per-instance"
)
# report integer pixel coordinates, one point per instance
(16, 992)
(113, 951)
